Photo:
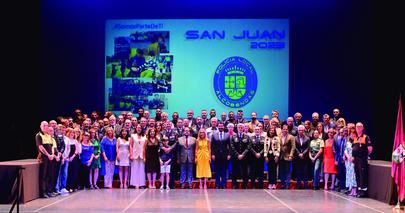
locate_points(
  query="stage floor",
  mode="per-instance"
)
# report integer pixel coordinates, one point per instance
(196, 200)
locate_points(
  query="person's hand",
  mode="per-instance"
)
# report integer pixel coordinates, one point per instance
(229, 157)
(71, 158)
(213, 157)
(301, 156)
(89, 163)
(50, 157)
(266, 159)
(131, 157)
(96, 157)
(57, 158)
(240, 157)
(161, 163)
(105, 159)
(195, 160)
(257, 155)
(118, 158)
(289, 158)
(336, 163)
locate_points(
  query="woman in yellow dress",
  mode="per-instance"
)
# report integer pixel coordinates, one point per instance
(202, 159)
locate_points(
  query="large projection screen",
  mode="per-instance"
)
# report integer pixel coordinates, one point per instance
(182, 64)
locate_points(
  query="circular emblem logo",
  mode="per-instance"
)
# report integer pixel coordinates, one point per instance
(235, 82)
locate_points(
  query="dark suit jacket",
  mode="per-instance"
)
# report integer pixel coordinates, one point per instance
(220, 148)
(194, 130)
(304, 148)
(257, 146)
(240, 146)
(193, 122)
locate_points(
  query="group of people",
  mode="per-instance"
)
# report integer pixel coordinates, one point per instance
(76, 150)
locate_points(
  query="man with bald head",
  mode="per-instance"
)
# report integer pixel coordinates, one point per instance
(191, 120)
(362, 147)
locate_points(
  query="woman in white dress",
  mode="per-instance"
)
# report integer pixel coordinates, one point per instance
(137, 142)
(123, 154)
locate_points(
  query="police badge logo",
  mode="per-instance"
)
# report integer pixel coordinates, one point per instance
(235, 82)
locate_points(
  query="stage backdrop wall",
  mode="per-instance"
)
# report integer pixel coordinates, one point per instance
(330, 59)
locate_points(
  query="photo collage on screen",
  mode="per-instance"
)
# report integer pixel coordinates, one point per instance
(141, 71)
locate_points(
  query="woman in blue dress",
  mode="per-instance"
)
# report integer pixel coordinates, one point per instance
(351, 183)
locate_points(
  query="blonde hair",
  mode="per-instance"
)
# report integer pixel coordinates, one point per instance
(342, 121)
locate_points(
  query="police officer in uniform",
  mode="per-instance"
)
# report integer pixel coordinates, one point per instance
(240, 146)
(257, 158)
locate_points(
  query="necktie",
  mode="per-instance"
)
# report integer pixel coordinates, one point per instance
(220, 136)
(186, 141)
(342, 145)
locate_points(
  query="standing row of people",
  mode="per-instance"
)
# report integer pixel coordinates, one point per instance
(294, 149)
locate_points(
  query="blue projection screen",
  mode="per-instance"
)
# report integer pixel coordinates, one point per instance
(181, 64)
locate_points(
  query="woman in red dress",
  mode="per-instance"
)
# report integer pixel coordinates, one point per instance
(329, 159)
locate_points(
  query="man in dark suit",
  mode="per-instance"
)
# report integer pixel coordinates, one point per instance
(257, 158)
(240, 146)
(301, 164)
(220, 154)
(339, 145)
(186, 157)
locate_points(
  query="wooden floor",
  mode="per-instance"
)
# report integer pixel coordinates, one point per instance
(197, 200)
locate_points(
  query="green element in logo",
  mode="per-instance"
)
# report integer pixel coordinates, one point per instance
(235, 86)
